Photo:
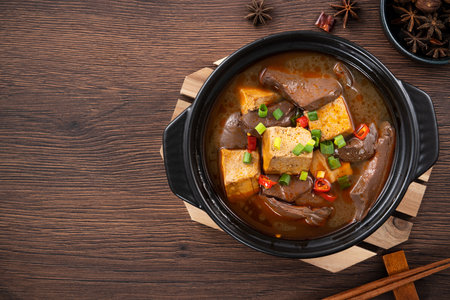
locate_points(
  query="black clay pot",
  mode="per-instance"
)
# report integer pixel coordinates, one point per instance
(416, 147)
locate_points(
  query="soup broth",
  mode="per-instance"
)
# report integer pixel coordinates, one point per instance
(280, 216)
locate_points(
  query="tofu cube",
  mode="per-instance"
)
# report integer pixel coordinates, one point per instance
(333, 119)
(282, 160)
(319, 163)
(251, 98)
(239, 179)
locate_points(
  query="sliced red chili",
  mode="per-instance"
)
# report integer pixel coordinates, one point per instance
(321, 185)
(251, 143)
(362, 131)
(328, 197)
(302, 121)
(266, 182)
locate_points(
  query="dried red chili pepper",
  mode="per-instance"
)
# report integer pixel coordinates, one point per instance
(325, 22)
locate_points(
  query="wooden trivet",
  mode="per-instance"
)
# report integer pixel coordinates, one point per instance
(394, 231)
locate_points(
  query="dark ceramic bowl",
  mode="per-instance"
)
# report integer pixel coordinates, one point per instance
(413, 117)
(393, 33)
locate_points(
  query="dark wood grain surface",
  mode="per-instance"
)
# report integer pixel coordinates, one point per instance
(86, 90)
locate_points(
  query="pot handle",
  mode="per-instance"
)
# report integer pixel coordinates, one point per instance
(174, 159)
(428, 130)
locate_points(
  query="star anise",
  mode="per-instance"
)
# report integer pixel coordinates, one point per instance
(258, 13)
(436, 42)
(407, 16)
(414, 40)
(446, 16)
(433, 24)
(347, 7)
(438, 52)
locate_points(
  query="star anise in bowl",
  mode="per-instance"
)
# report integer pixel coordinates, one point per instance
(418, 28)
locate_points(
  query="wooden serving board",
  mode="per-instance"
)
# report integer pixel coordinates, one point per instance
(394, 231)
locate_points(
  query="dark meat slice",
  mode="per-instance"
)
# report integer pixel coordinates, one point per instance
(312, 216)
(369, 184)
(344, 75)
(310, 199)
(233, 136)
(251, 119)
(359, 150)
(308, 93)
(289, 192)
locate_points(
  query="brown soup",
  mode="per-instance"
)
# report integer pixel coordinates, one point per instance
(300, 84)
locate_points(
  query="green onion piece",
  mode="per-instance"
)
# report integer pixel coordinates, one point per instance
(334, 162)
(344, 182)
(278, 113)
(298, 149)
(260, 128)
(316, 139)
(247, 158)
(277, 143)
(309, 147)
(327, 147)
(285, 179)
(262, 112)
(341, 144)
(294, 118)
(303, 176)
(339, 141)
(312, 115)
(317, 133)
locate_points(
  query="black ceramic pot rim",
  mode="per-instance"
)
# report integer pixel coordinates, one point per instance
(404, 163)
(388, 32)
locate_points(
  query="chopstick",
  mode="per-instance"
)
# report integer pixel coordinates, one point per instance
(383, 285)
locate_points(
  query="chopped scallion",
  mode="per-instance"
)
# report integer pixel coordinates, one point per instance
(278, 113)
(260, 128)
(285, 179)
(344, 182)
(327, 147)
(341, 144)
(317, 133)
(303, 176)
(247, 157)
(309, 147)
(334, 162)
(312, 115)
(316, 139)
(277, 143)
(262, 112)
(339, 141)
(298, 149)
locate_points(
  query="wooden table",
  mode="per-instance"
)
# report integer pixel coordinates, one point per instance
(86, 90)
